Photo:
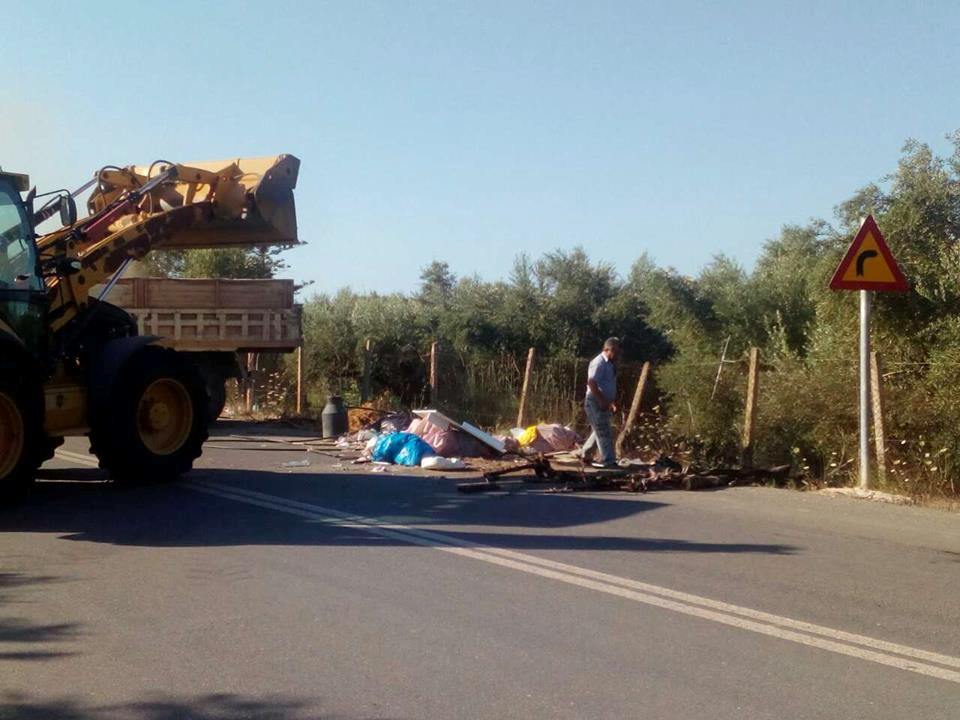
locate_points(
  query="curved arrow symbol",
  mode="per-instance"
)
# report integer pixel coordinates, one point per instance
(862, 258)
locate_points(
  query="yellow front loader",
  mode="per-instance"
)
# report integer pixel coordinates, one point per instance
(71, 363)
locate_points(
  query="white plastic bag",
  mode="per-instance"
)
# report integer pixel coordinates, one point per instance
(436, 462)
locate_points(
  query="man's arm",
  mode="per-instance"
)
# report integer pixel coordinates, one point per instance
(598, 394)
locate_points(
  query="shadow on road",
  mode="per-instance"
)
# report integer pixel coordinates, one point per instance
(78, 505)
(22, 640)
(204, 707)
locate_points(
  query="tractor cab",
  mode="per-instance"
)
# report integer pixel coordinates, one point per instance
(22, 296)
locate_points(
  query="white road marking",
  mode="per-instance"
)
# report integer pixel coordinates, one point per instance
(833, 640)
(821, 637)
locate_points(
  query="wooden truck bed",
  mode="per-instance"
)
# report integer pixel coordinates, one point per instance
(213, 314)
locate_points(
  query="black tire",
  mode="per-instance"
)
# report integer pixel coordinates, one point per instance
(216, 386)
(22, 439)
(137, 436)
(217, 391)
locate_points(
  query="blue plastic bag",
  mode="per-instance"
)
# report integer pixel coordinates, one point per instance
(413, 451)
(388, 446)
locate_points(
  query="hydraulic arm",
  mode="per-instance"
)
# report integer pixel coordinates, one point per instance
(245, 202)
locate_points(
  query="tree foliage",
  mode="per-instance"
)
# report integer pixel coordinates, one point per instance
(255, 263)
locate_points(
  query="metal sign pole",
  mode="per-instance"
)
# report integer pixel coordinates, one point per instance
(867, 266)
(865, 299)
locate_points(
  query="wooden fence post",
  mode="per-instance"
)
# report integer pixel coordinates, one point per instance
(723, 359)
(750, 409)
(249, 383)
(300, 388)
(634, 406)
(365, 382)
(434, 389)
(876, 404)
(526, 384)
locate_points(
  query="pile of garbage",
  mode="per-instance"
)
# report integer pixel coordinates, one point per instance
(546, 438)
(543, 453)
(431, 440)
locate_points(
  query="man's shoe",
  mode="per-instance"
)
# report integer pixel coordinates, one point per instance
(605, 466)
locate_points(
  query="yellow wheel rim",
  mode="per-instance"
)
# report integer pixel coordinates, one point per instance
(11, 435)
(164, 416)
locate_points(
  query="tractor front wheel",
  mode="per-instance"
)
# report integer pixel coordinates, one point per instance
(154, 422)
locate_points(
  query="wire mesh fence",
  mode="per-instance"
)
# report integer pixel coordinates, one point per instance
(487, 391)
(806, 408)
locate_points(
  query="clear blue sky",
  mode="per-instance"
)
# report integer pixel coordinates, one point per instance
(469, 132)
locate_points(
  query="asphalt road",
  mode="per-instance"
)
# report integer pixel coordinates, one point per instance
(253, 590)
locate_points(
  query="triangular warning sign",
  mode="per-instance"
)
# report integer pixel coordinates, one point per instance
(869, 264)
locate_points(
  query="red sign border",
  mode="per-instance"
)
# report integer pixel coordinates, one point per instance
(899, 284)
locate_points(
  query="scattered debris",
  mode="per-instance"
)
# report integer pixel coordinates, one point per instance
(435, 418)
(631, 476)
(364, 416)
(540, 466)
(485, 438)
(436, 462)
(295, 464)
(875, 495)
(430, 440)
(542, 438)
(441, 421)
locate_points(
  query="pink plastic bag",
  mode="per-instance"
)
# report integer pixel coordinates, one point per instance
(557, 437)
(449, 443)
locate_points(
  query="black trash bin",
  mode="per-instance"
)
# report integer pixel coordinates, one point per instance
(333, 419)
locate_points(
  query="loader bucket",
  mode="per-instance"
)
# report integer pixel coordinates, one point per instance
(253, 203)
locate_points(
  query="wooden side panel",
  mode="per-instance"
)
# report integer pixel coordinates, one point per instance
(204, 293)
(212, 314)
(122, 294)
(200, 329)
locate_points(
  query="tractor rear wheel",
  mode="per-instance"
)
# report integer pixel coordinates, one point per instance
(154, 422)
(21, 436)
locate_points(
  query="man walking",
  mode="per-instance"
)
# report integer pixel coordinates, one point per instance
(600, 402)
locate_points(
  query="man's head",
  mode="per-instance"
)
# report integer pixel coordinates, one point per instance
(611, 349)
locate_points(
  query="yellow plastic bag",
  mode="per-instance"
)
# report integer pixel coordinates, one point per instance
(528, 436)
